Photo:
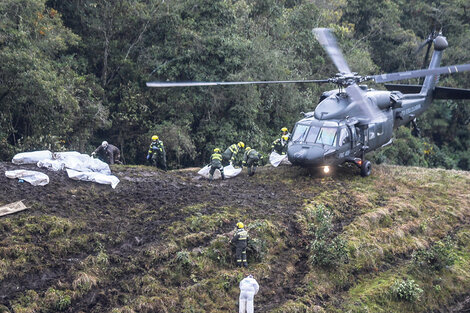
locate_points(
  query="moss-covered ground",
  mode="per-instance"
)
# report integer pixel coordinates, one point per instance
(397, 241)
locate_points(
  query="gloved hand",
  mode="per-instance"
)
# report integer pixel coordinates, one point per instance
(148, 156)
(93, 154)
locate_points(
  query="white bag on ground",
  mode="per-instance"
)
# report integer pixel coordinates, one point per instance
(276, 159)
(54, 165)
(32, 177)
(94, 177)
(31, 157)
(76, 161)
(229, 172)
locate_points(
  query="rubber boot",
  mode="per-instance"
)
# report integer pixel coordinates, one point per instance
(223, 176)
(245, 264)
(211, 177)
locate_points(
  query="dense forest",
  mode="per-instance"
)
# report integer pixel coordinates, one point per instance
(73, 72)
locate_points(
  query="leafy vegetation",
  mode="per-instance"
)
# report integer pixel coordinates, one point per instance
(73, 73)
(406, 290)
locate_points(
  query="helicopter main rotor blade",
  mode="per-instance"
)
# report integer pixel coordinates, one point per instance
(195, 84)
(420, 73)
(328, 41)
(366, 110)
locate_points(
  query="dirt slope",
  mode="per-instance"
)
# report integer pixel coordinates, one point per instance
(157, 242)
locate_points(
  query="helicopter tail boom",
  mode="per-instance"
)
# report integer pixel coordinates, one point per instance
(439, 92)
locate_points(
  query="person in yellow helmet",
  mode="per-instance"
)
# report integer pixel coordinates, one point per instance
(230, 154)
(251, 159)
(280, 145)
(240, 240)
(284, 132)
(216, 163)
(156, 153)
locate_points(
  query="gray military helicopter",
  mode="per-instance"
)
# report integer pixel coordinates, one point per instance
(353, 119)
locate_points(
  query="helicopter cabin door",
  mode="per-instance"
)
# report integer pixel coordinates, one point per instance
(345, 142)
(376, 135)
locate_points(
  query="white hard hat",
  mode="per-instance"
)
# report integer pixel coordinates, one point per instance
(104, 144)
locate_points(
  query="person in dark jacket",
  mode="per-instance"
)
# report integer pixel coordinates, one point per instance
(107, 153)
(280, 145)
(240, 240)
(156, 153)
(230, 153)
(251, 159)
(216, 164)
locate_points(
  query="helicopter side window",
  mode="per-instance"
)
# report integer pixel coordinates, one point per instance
(299, 132)
(380, 129)
(344, 137)
(371, 131)
(327, 136)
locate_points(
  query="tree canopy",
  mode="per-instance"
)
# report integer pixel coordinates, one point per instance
(73, 72)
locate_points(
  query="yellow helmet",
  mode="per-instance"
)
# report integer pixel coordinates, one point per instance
(284, 129)
(241, 144)
(216, 150)
(240, 225)
(154, 137)
(247, 149)
(285, 137)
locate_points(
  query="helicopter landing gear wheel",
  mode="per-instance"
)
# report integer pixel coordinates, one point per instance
(366, 168)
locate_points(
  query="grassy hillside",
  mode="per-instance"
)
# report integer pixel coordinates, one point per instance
(397, 241)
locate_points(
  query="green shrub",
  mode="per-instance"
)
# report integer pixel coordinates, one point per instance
(406, 290)
(437, 257)
(183, 260)
(219, 251)
(325, 250)
(57, 300)
(328, 252)
(256, 250)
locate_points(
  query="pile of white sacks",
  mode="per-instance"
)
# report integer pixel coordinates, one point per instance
(78, 167)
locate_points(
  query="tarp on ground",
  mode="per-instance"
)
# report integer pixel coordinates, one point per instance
(33, 177)
(31, 157)
(93, 177)
(277, 159)
(70, 160)
(75, 161)
(229, 172)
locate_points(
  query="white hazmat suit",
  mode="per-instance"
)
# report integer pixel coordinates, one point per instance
(248, 288)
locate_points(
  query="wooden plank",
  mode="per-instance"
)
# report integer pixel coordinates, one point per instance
(12, 208)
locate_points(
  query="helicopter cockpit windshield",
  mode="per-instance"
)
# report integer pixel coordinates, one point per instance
(314, 134)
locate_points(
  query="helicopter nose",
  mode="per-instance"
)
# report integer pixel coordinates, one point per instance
(305, 155)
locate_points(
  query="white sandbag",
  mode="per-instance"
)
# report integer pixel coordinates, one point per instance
(32, 177)
(276, 159)
(31, 157)
(229, 172)
(93, 177)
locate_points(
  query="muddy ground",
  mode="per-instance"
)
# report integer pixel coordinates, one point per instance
(164, 194)
(161, 198)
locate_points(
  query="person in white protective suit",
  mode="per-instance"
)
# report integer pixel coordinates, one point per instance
(248, 288)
